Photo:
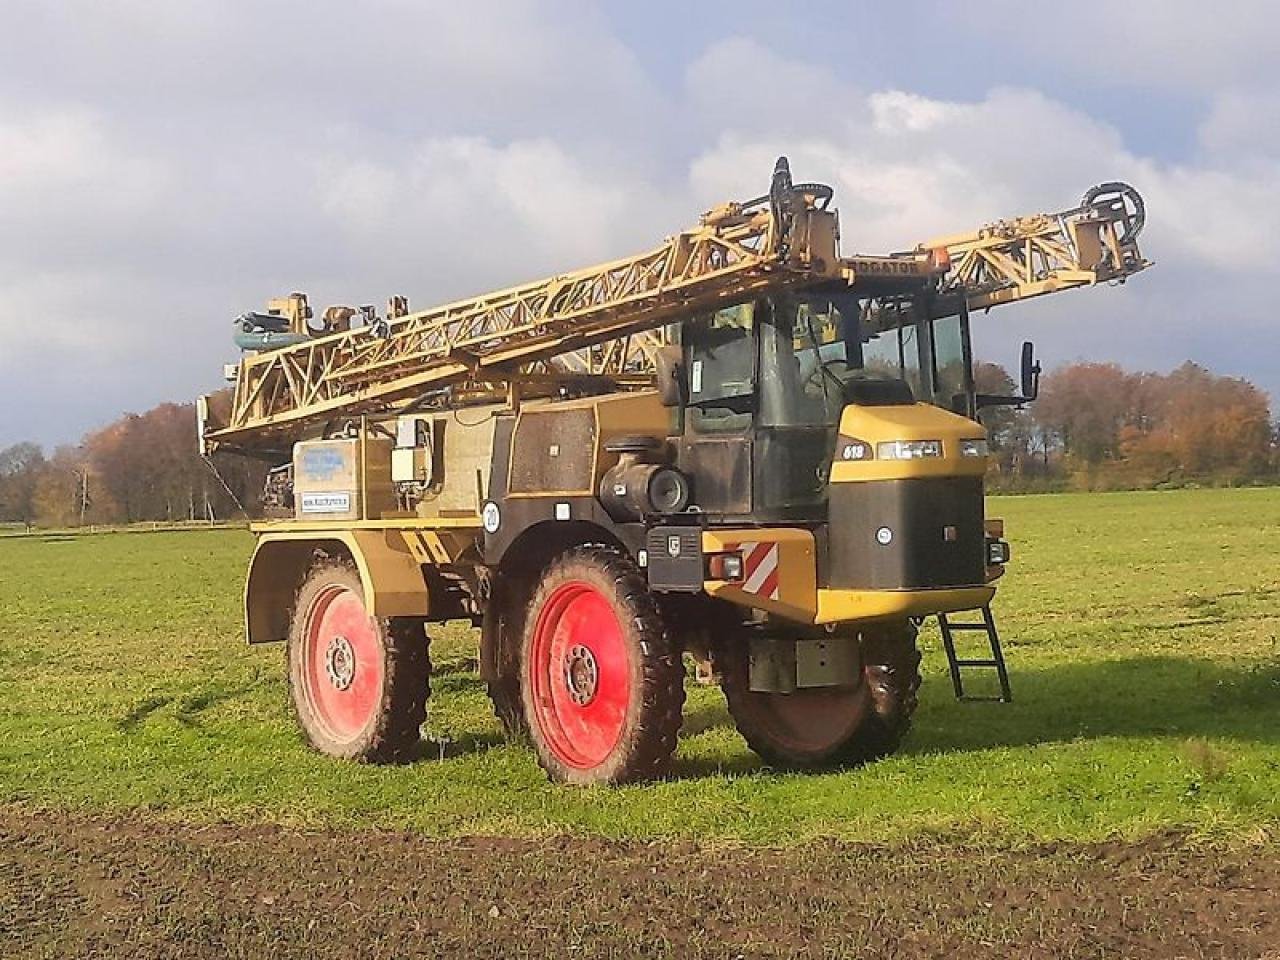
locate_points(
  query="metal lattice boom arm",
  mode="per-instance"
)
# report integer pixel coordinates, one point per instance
(768, 244)
(1026, 257)
(604, 319)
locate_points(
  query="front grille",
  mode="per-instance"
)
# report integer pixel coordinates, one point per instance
(935, 534)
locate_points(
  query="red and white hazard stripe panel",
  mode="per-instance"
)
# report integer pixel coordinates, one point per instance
(760, 568)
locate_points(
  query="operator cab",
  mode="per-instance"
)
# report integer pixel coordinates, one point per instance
(765, 384)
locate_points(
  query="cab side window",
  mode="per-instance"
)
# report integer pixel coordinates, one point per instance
(722, 370)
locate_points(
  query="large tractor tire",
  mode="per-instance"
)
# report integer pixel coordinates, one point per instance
(359, 684)
(500, 637)
(829, 726)
(891, 667)
(603, 684)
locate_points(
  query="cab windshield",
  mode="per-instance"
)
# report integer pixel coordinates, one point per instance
(793, 361)
(817, 346)
(769, 379)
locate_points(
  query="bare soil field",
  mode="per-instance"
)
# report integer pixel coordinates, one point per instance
(95, 886)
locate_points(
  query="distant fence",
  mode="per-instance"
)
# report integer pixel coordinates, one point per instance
(146, 526)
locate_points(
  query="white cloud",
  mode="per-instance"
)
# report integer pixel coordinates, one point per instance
(740, 80)
(459, 215)
(897, 112)
(1243, 125)
(1172, 44)
(164, 169)
(72, 188)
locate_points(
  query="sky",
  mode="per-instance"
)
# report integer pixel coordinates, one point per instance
(167, 166)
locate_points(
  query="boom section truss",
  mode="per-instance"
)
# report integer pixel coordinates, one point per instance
(605, 320)
(1011, 260)
(735, 251)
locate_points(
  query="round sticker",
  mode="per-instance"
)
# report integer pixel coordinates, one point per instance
(884, 536)
(491, 517)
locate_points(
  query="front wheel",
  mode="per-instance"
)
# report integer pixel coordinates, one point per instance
(603, 684)
(823, 727)
(359, 684)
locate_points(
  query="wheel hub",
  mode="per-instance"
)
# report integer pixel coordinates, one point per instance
(340, 662)
(581, 675)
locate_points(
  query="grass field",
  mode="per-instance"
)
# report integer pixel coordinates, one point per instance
(1141, 631)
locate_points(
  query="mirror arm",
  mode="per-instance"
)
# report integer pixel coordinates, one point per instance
(997, 400)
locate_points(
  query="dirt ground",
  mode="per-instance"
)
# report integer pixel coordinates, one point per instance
(79, 886)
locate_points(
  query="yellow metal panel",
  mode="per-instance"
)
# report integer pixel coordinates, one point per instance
(281, 527)
(392, 578)
(432, 547)
(919, 421)
(275, 570)
(915, 421)
(389, 572)
(796, 570)
(843, 606)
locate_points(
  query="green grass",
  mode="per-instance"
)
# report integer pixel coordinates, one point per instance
(1141, 630)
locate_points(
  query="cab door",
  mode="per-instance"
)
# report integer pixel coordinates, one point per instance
(715, 446)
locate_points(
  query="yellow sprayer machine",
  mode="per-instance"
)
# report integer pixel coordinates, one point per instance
(741, 445)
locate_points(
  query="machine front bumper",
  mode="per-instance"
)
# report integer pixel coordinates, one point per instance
(780, 576)
(839, 606)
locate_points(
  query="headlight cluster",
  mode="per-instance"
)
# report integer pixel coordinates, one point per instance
(850, 448)
(909, 449)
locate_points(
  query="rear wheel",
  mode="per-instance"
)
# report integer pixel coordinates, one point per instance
(359, 684)
(829, 726)
(603, 684)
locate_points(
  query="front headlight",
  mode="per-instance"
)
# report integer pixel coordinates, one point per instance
(973, 448)
(908, 449)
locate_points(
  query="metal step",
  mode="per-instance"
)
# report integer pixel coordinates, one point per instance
(958, 664)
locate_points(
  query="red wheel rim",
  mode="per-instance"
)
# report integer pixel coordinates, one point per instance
(580, 675)
(342, 672)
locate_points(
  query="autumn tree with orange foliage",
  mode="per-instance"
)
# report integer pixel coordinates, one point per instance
(1113, 428)
(141, 467)
(1200, 426)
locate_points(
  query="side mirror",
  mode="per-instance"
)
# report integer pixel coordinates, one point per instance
(671, 379)
(1030, 383)
(1030, 371)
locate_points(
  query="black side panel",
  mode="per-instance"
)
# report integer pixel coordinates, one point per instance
(934, 531)
(583, 519)
(792, 466)
(721, 472)
(501, 457)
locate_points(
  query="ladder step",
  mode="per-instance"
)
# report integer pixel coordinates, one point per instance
(988, 627)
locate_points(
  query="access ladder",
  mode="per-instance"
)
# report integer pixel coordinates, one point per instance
(987, 626)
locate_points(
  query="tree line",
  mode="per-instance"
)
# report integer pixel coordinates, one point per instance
(1094, 426)
(141, 467)
(1097, 426)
